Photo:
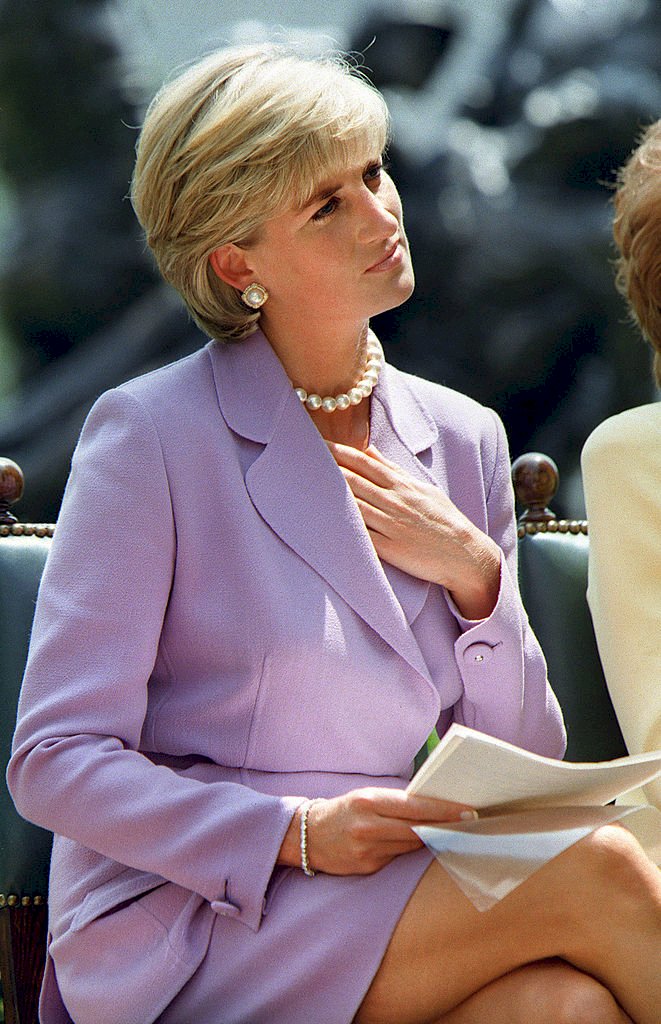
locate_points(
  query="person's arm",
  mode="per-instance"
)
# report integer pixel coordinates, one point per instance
(76, 767)
(506, 688)
(621, 464)
(363, 830)
(416, 527)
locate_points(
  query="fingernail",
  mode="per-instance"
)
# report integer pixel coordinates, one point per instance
(469, 816)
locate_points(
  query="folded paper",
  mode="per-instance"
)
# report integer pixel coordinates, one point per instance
(490, 857)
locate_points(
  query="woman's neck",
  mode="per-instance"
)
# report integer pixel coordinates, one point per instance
(347, 426)
(322, 358)
(326, 359)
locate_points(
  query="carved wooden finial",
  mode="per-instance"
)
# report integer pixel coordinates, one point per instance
(11, 488)
(535, 478)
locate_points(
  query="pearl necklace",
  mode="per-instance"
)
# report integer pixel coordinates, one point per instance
(361, 389)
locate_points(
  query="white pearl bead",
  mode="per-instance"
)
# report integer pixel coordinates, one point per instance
(362, 389)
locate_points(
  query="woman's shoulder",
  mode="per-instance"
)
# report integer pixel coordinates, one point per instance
(634, 430)
(172, 379)
(450, 410)
(155, 408)
(621, 462)
(440, 399)
(159, 392)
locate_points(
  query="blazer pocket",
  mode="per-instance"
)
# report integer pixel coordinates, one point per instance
(126, 964)
(124, 887)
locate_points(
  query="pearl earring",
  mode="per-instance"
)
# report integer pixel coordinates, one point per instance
(255, 295)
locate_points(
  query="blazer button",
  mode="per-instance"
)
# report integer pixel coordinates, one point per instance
(478, 654)
(225, 909)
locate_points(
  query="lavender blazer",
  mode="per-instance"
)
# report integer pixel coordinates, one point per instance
(215, 639)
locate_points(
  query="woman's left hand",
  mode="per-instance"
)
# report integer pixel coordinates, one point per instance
(417, 528)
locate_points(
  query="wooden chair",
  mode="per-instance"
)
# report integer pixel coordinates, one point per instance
(553, 575)
(24, 848)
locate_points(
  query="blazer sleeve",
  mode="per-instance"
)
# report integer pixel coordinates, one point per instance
(621, 465)
(506, 689)
(76, 768)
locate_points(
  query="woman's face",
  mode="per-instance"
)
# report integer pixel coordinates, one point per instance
(344, 256)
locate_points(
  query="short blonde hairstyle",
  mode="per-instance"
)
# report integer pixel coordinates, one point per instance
(637, 233)
(244, 134)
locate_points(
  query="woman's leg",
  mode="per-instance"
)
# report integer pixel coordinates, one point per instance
(596, 906)
(550, 992)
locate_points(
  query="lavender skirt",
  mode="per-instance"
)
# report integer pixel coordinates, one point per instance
(317, 950)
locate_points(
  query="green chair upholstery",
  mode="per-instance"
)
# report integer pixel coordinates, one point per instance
(553, 575)
(24, 848)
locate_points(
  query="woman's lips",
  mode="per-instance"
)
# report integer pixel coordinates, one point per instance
(392, 258)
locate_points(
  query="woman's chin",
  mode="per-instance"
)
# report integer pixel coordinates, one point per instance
(399, 295)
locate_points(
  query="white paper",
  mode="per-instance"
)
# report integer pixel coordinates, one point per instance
(490, 857)
(491, 775)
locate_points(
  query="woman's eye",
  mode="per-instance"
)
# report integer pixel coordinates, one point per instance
(374, 172)
(326, 209)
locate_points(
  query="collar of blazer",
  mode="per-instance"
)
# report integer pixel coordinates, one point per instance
(299, 491)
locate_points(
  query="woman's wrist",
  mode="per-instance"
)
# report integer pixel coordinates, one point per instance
(295, 849)
(305, 857)
(476, 593)
(289, 854)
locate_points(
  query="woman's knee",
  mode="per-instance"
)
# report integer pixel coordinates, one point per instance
(612, 855)
(581, 999)
(547, 992)
(554, 992)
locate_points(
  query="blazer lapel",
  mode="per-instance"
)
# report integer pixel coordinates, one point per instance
(401, 429)
(298, 489)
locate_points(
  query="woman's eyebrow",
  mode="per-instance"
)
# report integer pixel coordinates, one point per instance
(324, 192)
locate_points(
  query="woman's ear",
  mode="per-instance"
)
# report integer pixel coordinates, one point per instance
(229, 263)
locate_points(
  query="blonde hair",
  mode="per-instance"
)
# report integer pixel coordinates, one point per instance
(637, 233)
(240, 136)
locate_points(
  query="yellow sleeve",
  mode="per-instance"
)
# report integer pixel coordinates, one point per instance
(621, 464)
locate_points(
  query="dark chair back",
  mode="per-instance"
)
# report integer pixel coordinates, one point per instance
(24, 848)
(553, 575)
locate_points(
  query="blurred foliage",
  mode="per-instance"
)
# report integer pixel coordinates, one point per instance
(8, 347)
(509, 223)
(507, 214)
(73, 259)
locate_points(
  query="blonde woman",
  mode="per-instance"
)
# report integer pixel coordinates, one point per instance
(279, 564)
(621, 465)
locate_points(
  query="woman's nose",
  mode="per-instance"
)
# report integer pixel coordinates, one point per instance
(378, 216)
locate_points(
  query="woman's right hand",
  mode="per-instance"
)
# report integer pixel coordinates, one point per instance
(363, 830)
